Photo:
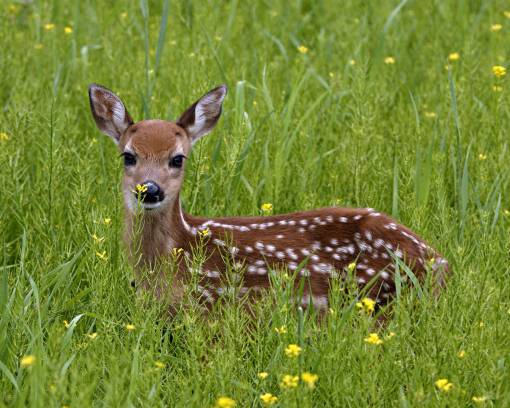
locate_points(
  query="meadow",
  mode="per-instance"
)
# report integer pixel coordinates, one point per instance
(397, 105)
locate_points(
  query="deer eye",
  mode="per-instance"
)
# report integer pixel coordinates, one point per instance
(177, 161)
(129, 159)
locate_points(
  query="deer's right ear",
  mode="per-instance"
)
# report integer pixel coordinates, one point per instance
(110, 114)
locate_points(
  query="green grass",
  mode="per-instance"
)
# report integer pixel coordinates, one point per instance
(300, 131)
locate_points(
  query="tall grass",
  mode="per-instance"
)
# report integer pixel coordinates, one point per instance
(332, 124)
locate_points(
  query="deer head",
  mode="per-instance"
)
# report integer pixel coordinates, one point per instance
(154, 151)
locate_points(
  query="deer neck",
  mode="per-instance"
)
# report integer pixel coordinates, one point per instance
(151, 235)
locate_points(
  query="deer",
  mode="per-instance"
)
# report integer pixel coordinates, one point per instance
(317, 245)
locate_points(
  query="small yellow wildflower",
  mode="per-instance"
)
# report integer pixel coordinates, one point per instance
(130, 327)
(331, 74)
(302, 49)
(443, 385)
(159, 364)
(124, 15)
(268, 398)
(482, 156)
(352, 62)
(27, 361)
(496, 27)
(499, 71)
(140, 188)
(497, 88)
(267, 208)
(389, 60)
(97, 239)
(49, 26)
(263, 375)
(4, 136)
(366, 304)
(351, 267)
(506, 14)
(107, 221)
(289, 381)
(281, 329)
(481, 324)
(461, 354)
(389, 336)
(506, 213)
(92, 336)
(454, 56)
(66, 324)
(177, 251)
(309, 379)
(225, 402)
(373, 338)
(293, 350)
(102, 255)
(68, 30)
(479, 400)
(430, 115)
(38, 46)
(204, 233)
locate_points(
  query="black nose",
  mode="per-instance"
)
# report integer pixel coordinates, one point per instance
(152, 193)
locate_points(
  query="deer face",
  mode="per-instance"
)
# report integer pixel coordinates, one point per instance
(154, 151)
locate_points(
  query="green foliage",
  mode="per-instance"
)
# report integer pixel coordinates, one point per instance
(328, 124)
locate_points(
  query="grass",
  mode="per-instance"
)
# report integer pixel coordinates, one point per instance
(335, 125)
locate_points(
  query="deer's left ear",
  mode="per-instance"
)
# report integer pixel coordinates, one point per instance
(110, 114)
(201, 117)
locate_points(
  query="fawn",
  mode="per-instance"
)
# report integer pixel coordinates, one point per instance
(316, 245)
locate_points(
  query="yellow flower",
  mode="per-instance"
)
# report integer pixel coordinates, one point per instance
(4, 136)
(27, 361)
(268, 398)
(310, 379)
(102, 255)
(506, 14)
(482, 156)
(289, 381)
(302, 49)
(267, 208)
(292, 350)
(352, 62)
(389, 336)
(373, 338)
(97, 239)
(430, 115)
(130, 327)
(499, 71)
(66, 324)
(351, 267)
(497, 88)
(454, 56)
(140, 188)
(479, 400)
(443, 385)
(506, 213)
(159, 364)
(92, 336)
(281, 329)
(68, 30)
(124, 15)
(389, 60)
(225, 402)
(366, 304)
(49, 26)
(38, 46)
(496, 27)
(107, 221)
(263, 375)
(204, 233)
(461, 354)
(177, 251)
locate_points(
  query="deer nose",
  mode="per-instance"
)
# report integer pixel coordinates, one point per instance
(152, 193)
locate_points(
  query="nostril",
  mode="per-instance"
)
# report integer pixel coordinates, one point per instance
(152, 188)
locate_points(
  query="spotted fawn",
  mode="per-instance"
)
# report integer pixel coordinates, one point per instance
(317, 245)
